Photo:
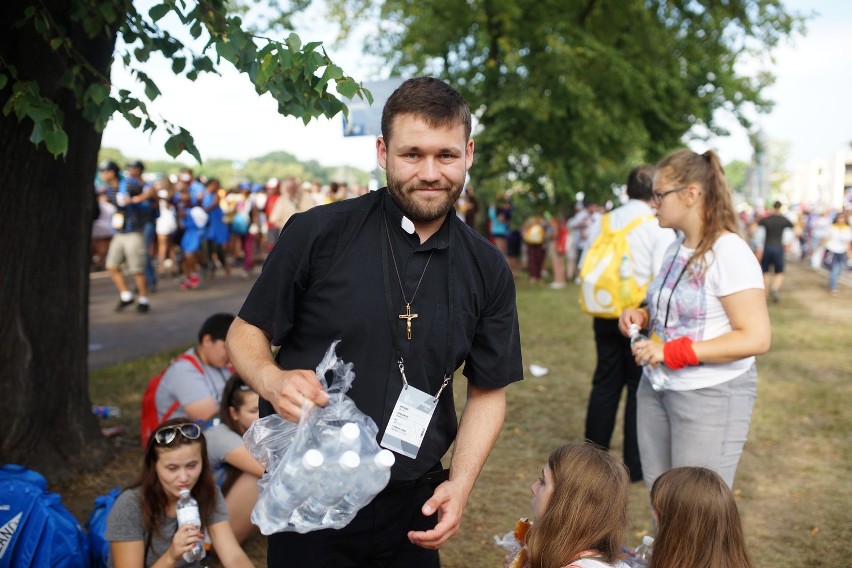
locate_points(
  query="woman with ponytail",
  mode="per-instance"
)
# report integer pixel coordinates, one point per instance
(707, 316)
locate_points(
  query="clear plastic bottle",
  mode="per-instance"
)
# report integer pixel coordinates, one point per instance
(330, 490)
(187, 514)
(642, 555)
(657, 375)
(105, 411)
(300, 481)
(373, 476)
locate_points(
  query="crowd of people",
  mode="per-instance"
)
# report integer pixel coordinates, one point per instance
(412, 291)
(151, 226)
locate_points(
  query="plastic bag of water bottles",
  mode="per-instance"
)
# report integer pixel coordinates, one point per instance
(323, 470)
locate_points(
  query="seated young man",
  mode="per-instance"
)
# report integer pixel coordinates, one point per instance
(192, 385)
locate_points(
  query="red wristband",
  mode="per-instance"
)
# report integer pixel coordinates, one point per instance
(678, 353)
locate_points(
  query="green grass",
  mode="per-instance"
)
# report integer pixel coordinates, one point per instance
(792, 486)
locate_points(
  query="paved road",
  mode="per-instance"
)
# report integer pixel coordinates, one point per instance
(174, 319)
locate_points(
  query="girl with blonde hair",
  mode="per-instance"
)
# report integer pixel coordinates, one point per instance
(707, 314)
(698, 524)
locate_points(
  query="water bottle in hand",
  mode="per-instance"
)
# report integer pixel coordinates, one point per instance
(187, 514)
(657, 375)
(329, 490)
(642, 555)
(373, 476)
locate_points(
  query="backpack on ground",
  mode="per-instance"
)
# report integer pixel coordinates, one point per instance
(96, 527)
(607, 284)
(149, 419)
(35, 528)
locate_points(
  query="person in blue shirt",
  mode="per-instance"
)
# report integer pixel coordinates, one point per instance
(127, 246)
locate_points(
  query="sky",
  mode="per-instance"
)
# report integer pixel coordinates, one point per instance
(227, 118)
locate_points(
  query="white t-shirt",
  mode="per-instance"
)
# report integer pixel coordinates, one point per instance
(684, 303)
(839, 237)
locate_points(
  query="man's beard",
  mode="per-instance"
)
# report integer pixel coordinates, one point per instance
(423, 212)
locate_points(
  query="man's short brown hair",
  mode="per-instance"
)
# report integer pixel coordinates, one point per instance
(430, 99)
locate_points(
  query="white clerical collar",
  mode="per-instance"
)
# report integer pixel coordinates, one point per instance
(407, 225)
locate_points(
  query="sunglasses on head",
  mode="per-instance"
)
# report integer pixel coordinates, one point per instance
(167, 434)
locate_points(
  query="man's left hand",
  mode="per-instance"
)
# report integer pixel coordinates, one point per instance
(449, 501)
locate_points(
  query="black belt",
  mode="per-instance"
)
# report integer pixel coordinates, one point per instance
(433, 478)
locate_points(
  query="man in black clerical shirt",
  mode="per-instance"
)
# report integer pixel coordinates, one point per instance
(398, 278)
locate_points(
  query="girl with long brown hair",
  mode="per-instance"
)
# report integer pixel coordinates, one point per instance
(707, 314)
(579, 510)
(142, 524)
(698, 524)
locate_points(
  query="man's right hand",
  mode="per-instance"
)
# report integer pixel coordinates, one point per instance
(287, 391)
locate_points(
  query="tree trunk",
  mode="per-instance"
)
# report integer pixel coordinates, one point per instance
(46, 421)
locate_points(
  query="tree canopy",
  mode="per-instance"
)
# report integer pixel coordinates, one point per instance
(571, 95)
(298, 75)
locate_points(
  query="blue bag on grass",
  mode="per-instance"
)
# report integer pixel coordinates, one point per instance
(35, 528)
(96, 527)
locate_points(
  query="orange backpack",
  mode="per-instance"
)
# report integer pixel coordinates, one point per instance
(149, 420)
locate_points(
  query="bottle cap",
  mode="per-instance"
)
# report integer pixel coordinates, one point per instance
(312, 459)
(349, 460)
(647, 540)
(350, 432)
(385, 458)
(633, 329)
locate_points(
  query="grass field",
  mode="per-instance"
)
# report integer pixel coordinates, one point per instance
(793, 485)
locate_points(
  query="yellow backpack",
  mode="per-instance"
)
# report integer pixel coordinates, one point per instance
(607, 285)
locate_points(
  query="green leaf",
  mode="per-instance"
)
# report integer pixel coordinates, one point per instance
(56, 141)
(195, 29)
(347, 87)
(40, 111)
(134, 120)
(107, 11)
(228, 51)
(173, 146)
(142, 54)
(3, 80)
(158, 12)
(37, 134)
(91, 25)
(97, 92)
(178, 64)
(294, 42)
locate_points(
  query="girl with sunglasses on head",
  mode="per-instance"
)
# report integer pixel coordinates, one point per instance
(142, 524)
(707, 314)
(698, 524)
(234, 468)
(579, 511)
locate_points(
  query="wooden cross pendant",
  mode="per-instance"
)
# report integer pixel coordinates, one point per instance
(408, 316)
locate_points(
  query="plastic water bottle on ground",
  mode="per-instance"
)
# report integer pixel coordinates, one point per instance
(642, 555)
(373, 476)
(187, 514)
(329, 491)
(657, 375)
(105, 411)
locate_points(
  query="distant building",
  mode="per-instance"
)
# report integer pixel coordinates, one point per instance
(824, 183)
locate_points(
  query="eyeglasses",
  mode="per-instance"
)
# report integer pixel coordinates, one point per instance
(659, 195)
(167, 434)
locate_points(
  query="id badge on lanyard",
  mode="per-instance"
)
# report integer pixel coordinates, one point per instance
(409, 421)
